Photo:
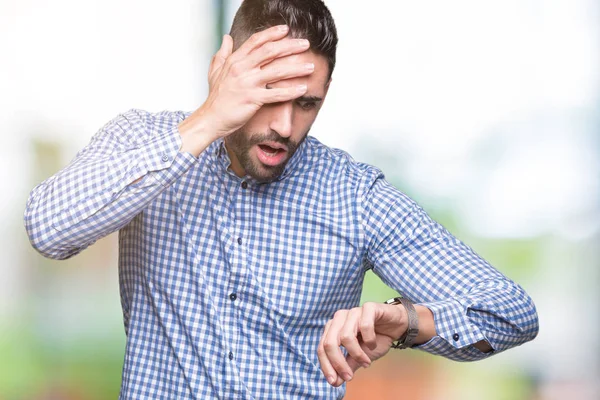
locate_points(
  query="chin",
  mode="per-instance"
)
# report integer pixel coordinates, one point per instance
(265, 175)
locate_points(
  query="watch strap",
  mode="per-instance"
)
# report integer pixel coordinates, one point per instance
(408, 338)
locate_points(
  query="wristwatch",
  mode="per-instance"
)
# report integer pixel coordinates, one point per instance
(408, 338)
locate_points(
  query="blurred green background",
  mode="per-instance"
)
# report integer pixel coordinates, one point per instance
(486, 113)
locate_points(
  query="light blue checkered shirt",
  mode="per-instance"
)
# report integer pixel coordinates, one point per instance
(226, 284)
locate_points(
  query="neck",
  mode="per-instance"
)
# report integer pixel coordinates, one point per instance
(235, 166)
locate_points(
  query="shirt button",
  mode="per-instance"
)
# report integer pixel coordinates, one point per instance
(165, 158)
(240, 240)
(455, 337)
(244, 185)
(233, 296)
(230, 355)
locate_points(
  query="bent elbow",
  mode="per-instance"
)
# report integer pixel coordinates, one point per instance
(43, 237)
(531, 325)
(48, 247)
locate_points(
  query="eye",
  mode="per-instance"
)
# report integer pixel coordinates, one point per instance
(307, 105)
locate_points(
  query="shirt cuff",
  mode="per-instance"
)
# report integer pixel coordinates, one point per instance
(161, 158)
(456, 334)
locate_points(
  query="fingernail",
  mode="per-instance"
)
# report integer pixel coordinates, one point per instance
(331, 379)
(309, 66)
(347, 377)
(301, 88)
(283, 28)
(303, 42)
(365, 365)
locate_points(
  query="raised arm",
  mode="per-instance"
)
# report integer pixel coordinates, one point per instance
(472, 302)
(95, 194)
(467, 310)
(137, 155)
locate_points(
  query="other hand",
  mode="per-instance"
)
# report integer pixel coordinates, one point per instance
(366, 332)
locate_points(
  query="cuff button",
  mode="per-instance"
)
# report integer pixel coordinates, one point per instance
(455, 337)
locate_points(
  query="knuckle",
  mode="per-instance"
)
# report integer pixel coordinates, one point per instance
(369, 305)
(236, 69)
(346, 337)
(270, 49)
(340, 313)
(329, 346)
(254, 39)
(365, 325)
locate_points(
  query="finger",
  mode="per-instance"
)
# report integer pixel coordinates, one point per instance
(332, 344)
(277, 95)
(367, 325)
(282, 71)
(354, 365)
(326, 366)
(272, 50)
(349, 339)
(258, 39)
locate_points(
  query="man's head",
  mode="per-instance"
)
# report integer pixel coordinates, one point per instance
(283, 126)
(307, 19)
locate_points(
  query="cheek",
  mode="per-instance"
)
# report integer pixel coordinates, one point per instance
(302, 123)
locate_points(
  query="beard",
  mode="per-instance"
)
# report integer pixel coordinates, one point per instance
(240, 144)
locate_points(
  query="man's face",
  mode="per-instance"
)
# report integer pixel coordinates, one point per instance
(265, 144)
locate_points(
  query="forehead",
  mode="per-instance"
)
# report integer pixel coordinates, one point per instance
(316, 81)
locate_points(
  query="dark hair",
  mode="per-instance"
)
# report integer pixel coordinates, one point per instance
(307, 19)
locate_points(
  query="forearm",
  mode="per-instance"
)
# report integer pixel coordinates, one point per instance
(491, 317)
(125, 166)
(196, 132)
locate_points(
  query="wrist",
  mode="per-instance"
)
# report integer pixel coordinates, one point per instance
(196, 133)
(426, 325)
(410, 322)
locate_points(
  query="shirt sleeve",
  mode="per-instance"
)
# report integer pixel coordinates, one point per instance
(95, 194)
(470, 300)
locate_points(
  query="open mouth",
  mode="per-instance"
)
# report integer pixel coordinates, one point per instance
(270, 151)
(271, 154)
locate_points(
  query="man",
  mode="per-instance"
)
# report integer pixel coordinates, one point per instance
(243, 242)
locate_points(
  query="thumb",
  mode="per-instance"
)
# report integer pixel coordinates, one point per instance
(224, 51)
(220, 57)
(227, 46)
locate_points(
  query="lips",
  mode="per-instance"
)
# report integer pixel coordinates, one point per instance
(271, 153)
(274, 145)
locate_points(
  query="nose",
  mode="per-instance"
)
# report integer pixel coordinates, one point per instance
(281, 119)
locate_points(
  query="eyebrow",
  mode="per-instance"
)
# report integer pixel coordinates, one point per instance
(310, 98)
